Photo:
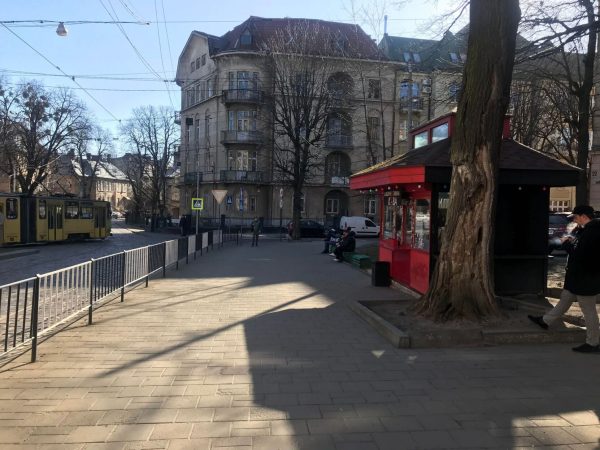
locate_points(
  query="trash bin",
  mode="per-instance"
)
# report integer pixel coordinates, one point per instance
(380, 273)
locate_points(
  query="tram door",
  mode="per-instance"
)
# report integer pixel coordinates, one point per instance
(55, 222)
(99, 222)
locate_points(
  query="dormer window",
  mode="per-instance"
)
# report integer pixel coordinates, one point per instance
(416, 57)
(454, 57)
(407, 57)
(246, 38)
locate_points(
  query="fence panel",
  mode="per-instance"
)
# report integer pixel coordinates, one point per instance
(136, 265)
(204, 240)
(16, 313)
(107, 276)
(182, 248)
(191, 244)
(156, 256)
(62, 294)
(199, 243)
(171, 252)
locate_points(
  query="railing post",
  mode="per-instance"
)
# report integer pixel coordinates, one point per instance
(123, 273)
(187, 250)
(35, 306)
(164, 268)
(91, 307)
(148, 259)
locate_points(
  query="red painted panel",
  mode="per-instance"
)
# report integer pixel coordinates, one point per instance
(419, 269)
(401, 266)
(386, 177)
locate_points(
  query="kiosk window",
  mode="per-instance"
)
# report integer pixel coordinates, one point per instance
(72, 210)
(422, 222)
(11, 208)
(42, 209)
(390, 223)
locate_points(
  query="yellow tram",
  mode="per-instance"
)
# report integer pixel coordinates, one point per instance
(32, 219)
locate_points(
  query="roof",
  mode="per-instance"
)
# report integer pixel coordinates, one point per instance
(516, 158)
(358, 44)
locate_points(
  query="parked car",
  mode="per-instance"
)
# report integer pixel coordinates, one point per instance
(117, 215)
(309, 228)
(558, 226)
(362, 226)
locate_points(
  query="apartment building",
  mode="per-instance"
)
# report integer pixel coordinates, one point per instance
(229, 141)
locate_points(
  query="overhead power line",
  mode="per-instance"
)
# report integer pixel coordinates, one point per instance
(61, 71)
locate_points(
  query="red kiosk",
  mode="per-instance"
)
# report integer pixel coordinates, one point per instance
(413, 196)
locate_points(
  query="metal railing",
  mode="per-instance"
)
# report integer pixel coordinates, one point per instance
(35, 306)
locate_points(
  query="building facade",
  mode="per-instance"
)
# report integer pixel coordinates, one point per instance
(229, 141)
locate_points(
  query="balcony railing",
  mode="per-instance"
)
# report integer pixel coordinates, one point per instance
(192, 177)
(417, 104)
(341, 102)
(243, 176)
(242, 96)
(339, 141)
(241, 137)
(337, 180)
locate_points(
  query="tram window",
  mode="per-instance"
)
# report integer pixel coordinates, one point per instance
(72, 210)
(11, 208)
(59, 217)
(42, 209)
(86, 211)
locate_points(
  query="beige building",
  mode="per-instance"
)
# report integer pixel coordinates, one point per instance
(228, 141)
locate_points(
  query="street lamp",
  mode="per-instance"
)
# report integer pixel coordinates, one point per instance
(61, 30)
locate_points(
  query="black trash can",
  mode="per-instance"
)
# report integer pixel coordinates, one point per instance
(380, 273)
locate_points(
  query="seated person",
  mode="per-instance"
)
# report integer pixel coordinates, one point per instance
(330, 239)
(346, 244)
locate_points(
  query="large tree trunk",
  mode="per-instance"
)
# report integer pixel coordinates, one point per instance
(462, 284)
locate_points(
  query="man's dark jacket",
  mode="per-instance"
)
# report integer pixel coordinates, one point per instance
(583, 266)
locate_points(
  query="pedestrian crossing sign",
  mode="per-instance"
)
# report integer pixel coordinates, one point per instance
(197, 204)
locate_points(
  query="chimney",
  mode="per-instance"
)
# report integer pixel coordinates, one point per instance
(385, 25)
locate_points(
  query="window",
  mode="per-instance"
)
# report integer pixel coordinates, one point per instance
(252, 203)
(440, 132)
(374, 88)
(203, 59)
(193, 65)
(421, 139)
(332, 206)
(72, 210)
(86, 211)
(416, 57)
(454, 57)
(454, 92)
(370, 206)
(242, 120)
(407, 57)
(373, 128)
(197, 63)
(404, 89)
(11, 208)
(422, 222)
(42, 209)
(246, 38)
(242, 160)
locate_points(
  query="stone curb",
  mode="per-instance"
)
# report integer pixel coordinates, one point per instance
(466, 337)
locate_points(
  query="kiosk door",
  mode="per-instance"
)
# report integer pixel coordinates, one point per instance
(55, 222)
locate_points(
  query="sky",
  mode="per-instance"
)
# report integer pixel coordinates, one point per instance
(116, 67)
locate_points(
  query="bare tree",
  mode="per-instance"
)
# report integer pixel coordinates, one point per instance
(563, 38)
(301, 68)
(462, 283)
(152, 133)
(36, 127)
(89, 146)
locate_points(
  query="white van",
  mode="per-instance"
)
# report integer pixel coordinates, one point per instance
(362, 226)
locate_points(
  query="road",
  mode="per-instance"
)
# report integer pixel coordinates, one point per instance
(23, 262)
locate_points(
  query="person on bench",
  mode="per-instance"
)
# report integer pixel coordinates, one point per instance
(346, 244)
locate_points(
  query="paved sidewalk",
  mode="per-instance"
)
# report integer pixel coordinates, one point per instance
(256, 348)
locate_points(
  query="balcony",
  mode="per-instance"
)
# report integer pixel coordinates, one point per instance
(417, 104)
(192, 177)
(338, 181)
(243, 176)
(241, 96)
(340, 102)
(241, 137)
(339, 141)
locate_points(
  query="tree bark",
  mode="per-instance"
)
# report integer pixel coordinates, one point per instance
(462, 285)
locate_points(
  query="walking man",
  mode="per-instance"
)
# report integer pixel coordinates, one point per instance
(582, 278)
(255, 225)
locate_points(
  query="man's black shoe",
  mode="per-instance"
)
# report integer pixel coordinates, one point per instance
(539, 320)
(587, 348)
